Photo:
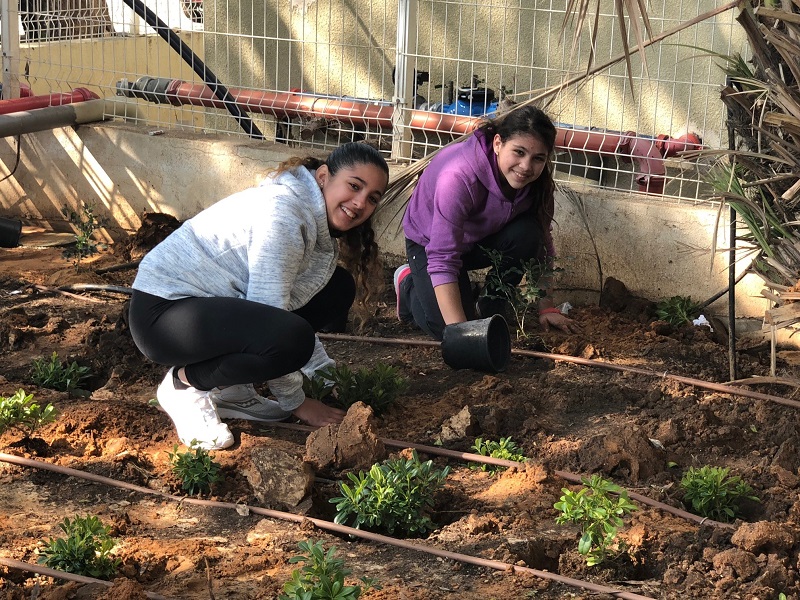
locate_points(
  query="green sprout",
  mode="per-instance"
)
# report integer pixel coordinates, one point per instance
(196, 469)
(505, 449)
(57, 375)
(85, 551)
(21, 412)
(715, 494)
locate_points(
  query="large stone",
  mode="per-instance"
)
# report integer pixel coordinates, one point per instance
(279, 479)
(353, 444)
(460, 425)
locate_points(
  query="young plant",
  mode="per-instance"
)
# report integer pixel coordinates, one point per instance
(85, 551)
(396, 495)
(505, 449)
(57, 375)
(322, 577)
(22, 413)
(377, 387)
(677, 310)
(317, 387)
(599, 515)
(196, 470)
(521, 298)
(87, 224)
(714, 493)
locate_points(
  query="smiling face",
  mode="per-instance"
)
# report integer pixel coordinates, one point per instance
(352, 194)
(520, 159)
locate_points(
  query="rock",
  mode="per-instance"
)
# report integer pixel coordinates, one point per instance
(460, 425)
(351, 444)
(743, 563)
(762, 536)
(627, 453)
(278, 478)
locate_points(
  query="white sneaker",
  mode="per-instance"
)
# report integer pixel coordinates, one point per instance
(194, 416)
(243, 402)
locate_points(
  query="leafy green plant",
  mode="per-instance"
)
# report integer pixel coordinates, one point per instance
(86, 223)
(196, 469)
(377, 387)
(322, 577)
(599, 514)
(506, 449)
(395, 495)
(57, 375)
(521, 298)
(317, 387)
(714, 493)
(677, 310)
(85, 551)
(21, 412)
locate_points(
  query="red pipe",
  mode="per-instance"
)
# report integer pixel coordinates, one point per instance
(647, 153)
(45, 101)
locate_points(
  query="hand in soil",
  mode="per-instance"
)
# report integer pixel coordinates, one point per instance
(315, 413)
(559, 321)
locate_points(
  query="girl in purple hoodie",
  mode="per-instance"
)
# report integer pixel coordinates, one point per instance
(493, 190)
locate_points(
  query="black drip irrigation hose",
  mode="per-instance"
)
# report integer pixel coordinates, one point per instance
(717, 387)
(329, 526)
(190, 58)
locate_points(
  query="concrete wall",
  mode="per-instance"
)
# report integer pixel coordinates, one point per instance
(658, 250)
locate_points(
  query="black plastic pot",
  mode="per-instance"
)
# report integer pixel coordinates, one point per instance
(10, 231)
(483, 345)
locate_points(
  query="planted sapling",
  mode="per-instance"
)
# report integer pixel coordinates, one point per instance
(57, 375)
(21, 412)
(85, 551)
(86, 223)
(395, 495)
(322, 576)
(714, 493)
(506, 449)
(378, 387)
(598, 508)
(678, 310)
(196, 469)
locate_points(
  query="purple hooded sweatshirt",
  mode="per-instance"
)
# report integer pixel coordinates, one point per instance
(457, 202)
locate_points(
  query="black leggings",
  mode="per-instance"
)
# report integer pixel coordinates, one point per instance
(519, 240)
(226, 341)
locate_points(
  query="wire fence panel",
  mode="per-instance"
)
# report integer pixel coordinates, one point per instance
(406, 75)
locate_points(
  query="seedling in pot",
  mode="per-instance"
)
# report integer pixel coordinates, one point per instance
(505, 449)
(598, 508)
(378, 387)
(196, 469)
(22, 413)
(322, 576)
(85, 551)
(396, 495)
(57, 375)
(714, 493)
(678, 310)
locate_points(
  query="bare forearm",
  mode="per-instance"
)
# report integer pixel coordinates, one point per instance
(449, 299)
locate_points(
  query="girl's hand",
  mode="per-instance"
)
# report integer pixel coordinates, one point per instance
(315, 413)
(559, 321)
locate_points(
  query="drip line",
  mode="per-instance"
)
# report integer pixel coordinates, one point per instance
(329, 526)
(717, 387)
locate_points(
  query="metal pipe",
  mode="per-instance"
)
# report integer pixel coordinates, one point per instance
(647, 153)
(46, 100)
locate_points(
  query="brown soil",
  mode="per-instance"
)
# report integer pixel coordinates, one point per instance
(642, 431)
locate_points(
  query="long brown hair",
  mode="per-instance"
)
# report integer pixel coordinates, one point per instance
(358, 251)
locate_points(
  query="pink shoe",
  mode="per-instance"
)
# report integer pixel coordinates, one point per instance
(400, 273)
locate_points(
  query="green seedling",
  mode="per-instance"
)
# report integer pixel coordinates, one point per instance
(521, 298)
(196, 469)
(86, 223)
(318, 387)
(677, 310)
(22, 413)
(396, 495)
(505, 449)
(322, 576)
(598, 508)
(715, 494)
(85, 551)
(57, 375)
(378, 387)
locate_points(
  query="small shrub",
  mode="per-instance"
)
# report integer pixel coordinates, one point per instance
(378, 387)
(21, 412)
(85, 551)
(318, 387)
(505, 449)
(599, 516)
(322, 577)
(677, 310)
(87, 224)
(715, 494)
(395, 495)
(196, 470)
(57, 375)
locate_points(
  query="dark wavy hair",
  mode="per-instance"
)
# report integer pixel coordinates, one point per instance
(530, 120)
(358, 249)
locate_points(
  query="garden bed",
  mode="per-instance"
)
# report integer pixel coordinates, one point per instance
(639, 430)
